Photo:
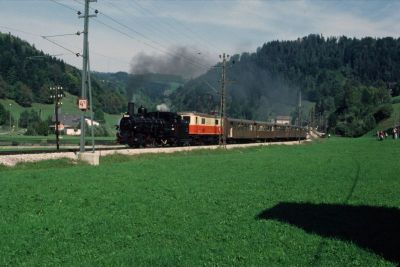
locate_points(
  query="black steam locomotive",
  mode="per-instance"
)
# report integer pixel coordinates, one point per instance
(151, 128)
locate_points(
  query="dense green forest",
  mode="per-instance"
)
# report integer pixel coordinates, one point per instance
(26, 75)
(349, 80)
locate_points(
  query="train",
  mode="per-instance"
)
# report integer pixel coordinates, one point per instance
(164, 128)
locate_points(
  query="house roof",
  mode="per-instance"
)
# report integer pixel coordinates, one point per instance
(67, 120)
(283, 118)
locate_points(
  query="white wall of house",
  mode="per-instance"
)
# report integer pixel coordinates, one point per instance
(283, 122)
(88, 122)
(73, 131)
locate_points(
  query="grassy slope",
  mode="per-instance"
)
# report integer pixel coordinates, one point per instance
(68, 107)
(199, 208)
(388, 123)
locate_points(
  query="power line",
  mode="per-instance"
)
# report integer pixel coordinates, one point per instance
(197, 35)
(60, 35)
(148, 25)
(61, 46)
(64, 5)
(17, 30)
(171, 26)
(163, 50)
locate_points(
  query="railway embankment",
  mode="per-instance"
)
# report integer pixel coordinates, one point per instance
(12, 160)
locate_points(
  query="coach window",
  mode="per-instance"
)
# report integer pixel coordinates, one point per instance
(196, 120)
(203, 121)
(216, 122)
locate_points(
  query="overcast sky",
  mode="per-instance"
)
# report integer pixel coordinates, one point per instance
(127, 28)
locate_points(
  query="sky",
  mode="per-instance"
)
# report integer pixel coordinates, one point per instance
(126, 31)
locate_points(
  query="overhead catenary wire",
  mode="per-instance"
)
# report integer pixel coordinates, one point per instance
(151, 25)
(165, 51)
(64, 5)
(18, 30)
(60, 35)
(188, 29)
(61, 46)
(171, 28)
(45, 37)
(160, 48)
(156, 45)
(155, 42)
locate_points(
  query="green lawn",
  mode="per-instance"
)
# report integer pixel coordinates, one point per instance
(333, 202)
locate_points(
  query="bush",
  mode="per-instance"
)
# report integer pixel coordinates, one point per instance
(396, 100)
(383, 112)
(369, 122)
(30, 130)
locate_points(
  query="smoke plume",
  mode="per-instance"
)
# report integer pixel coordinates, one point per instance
(182, 61)
(162, 107)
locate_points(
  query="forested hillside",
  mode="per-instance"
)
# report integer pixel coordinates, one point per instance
(26, 75)
(349, 80)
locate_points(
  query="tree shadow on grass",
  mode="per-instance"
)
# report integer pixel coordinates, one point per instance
(372, 228)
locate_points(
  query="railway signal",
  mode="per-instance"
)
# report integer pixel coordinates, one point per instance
(57, 94)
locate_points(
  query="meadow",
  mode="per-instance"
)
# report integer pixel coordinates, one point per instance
(68, 107)
(332, 202)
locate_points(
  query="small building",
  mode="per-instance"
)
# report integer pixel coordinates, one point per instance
(283, 120)
(69, 124)
(89, 122)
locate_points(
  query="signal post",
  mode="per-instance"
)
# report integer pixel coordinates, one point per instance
(57, 94)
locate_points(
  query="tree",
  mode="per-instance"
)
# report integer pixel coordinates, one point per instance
(28, 117)
(23, 95)
(99, 115)
(3, 88)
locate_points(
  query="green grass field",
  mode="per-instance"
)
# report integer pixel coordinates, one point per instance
(334, 202)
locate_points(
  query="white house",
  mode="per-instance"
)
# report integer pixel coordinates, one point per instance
(283, 120)
(69, 124)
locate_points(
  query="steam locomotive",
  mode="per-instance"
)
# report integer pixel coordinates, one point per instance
(161, 128)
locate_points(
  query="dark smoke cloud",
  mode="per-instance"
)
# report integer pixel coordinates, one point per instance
(183, 61)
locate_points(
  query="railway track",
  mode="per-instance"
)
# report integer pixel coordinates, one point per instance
(46, 151)
(38, 150)
(11, 158)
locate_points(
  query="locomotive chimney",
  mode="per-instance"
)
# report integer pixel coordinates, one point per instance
(131, 108)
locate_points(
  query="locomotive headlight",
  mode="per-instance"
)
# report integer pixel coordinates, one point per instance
(172, 128)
